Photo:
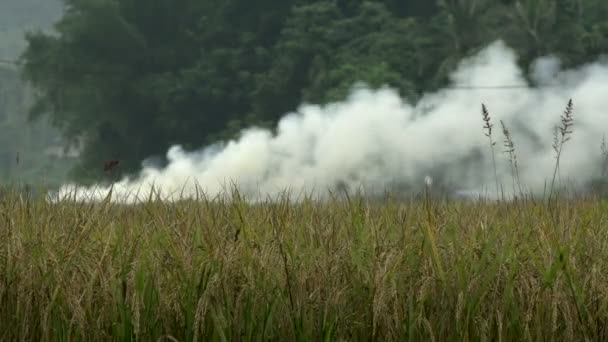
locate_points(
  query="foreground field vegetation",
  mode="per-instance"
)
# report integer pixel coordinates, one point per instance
(347, 268)
(428, 270)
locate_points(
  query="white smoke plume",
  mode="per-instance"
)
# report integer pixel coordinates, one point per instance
(375, 140)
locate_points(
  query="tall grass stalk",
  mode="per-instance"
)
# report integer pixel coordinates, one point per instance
(509, 146)
(604, 149)
(561, 135)
(488, 133)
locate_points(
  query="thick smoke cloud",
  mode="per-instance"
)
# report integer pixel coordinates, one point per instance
(375, 140)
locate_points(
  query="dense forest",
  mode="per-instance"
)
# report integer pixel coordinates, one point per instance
(133, 77)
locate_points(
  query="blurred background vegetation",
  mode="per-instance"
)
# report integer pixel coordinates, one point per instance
(30, 151)
(129, 78)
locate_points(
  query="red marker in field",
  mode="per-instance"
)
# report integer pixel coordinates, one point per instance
(109, 165)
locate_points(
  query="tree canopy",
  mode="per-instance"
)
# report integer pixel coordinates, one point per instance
(133, 77)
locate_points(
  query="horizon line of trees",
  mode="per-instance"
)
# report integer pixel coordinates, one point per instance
(134, 77)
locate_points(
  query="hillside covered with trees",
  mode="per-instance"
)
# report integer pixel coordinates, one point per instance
(135, 76)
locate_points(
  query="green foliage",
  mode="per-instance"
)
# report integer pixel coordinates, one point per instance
(133, 77)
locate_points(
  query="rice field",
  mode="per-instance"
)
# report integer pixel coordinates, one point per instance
(343, 270)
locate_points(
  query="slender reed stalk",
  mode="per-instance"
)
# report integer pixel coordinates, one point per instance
(510, 150)
(561, 135)
(604, 148)
(488, 128)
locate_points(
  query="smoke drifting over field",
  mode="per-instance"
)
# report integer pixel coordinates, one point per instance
(375, 140)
